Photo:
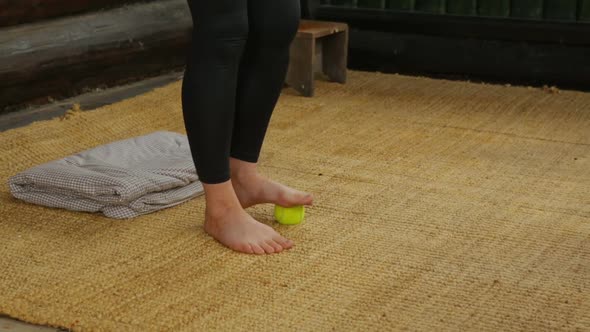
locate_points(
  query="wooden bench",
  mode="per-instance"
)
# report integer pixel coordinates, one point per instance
(319, 46)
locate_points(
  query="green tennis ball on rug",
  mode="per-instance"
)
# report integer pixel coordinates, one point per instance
(289, 215)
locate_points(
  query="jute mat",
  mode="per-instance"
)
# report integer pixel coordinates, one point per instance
(439, 205)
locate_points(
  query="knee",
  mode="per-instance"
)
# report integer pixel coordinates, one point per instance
(231, 28)
(277, 31)
(223, 39)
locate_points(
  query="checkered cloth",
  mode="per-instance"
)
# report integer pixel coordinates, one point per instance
(122, 179)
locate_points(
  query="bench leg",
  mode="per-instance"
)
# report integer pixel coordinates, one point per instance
(335, 51)
(301, 64)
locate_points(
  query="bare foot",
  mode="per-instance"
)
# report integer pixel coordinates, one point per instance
(227, 222)
(254, 189)
(237, 230)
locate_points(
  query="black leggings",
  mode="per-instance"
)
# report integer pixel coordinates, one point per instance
(235, 70)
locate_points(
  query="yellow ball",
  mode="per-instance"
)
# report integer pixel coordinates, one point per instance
(289, 215)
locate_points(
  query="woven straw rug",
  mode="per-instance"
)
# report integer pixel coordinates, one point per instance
(439, 205)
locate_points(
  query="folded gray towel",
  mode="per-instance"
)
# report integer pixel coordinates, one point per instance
(122, 179)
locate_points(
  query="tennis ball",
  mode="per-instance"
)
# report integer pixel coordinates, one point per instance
(289, 215)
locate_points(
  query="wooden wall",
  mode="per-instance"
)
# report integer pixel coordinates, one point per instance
(565, 10)
(536, 42)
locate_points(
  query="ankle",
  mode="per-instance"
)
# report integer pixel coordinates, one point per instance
(246, 180)
(217, 210)
(220, 199)
(242, 170)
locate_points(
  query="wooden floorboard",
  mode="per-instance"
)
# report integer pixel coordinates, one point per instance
(87, 101)
(9, 324)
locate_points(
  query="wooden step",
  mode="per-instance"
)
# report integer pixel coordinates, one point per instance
(61, 57)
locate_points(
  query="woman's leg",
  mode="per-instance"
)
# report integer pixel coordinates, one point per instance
(208, 98)
(272, 27)
(220, 31)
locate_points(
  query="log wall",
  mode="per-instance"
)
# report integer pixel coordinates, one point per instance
(13, 12)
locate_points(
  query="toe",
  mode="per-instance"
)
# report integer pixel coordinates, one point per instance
(308, 199)
(276, 246)
(257, 249)
(267, 248)
(245, 248)
(285, 243)
(297, 197)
